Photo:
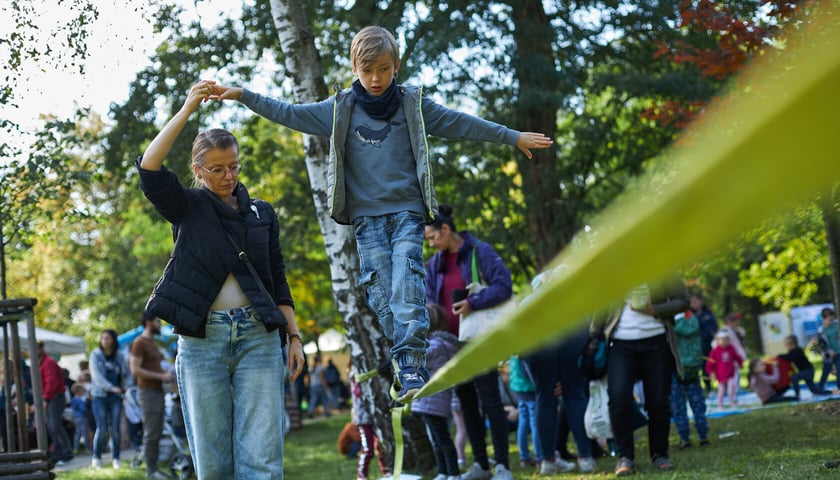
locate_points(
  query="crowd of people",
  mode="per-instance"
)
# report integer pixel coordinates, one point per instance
(91, 413)
(93, 416)
(226, 294)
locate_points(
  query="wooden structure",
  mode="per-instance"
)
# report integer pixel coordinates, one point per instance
(19, 460)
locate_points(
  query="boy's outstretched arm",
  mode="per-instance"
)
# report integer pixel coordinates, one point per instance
(529, 140)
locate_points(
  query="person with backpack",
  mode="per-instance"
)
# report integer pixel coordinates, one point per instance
(333, 378)
(686, 386)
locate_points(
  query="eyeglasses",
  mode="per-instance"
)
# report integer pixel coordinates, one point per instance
(220, 171)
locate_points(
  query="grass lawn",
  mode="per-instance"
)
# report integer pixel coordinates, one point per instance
(781, 442)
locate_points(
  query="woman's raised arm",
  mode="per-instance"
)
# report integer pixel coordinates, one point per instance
(157, 151)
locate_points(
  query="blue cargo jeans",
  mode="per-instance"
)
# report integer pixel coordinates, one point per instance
(231, 387)
(394, 276)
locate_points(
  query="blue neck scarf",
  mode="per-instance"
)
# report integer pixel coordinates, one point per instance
(382, 107)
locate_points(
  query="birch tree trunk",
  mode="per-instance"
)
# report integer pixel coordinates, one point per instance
(369, 348)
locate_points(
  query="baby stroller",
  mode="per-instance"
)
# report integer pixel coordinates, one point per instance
(172, 448)
(180, 461)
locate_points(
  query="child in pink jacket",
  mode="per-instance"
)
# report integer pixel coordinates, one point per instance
(724, 362)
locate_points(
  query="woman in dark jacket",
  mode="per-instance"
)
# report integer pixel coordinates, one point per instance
(230, 360)
(449, 272)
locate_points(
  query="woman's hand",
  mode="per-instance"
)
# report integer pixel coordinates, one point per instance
(159, 148)
(200, 92)
(529, 140)
(221, 92)
(462, 308)
(295, 358)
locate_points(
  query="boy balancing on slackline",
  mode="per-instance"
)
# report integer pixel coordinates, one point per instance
(380, 181)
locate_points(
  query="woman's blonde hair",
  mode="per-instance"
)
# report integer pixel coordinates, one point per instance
(213, 139)
(369, 44)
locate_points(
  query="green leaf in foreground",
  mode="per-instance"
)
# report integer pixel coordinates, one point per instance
(752, 155)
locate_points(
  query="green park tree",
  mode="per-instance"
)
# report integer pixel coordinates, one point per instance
(610, 82)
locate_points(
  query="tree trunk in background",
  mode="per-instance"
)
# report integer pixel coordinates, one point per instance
(2, 263)
(831, 219)
(369, 348)
(536, 111)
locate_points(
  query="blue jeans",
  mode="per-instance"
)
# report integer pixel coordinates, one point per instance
(231, 387)
(807, 376)
(107, 411)
(55, 427)
(394, 276)
(548, 366)
(335, 395)
(527, 424)
(651, 361)
(318, 396)
(693, 393)
(81, 432)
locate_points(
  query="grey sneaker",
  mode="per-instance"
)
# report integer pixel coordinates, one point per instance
(587, 465)
(557, 466)
(476, 473)
(625, 467)
(158, 475)
(663, 464)
(501, 473)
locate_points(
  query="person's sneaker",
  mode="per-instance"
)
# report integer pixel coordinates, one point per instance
(587, 465)
(96, 463)
(704, 442)
(625, 467)
(684, 444)
(663, 464)
(411, 380)
(61, 463)
(158, 475)
(116, 464)
(501, 473)
(476, 473)
(557, 466)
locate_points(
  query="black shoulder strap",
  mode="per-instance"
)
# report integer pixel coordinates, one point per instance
(247, 261)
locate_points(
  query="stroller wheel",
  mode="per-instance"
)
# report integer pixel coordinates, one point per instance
(181, 466)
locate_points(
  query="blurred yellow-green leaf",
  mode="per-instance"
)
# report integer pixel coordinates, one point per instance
(764, 147)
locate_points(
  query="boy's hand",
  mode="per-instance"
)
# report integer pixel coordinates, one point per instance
(221, 92)
(529, 140)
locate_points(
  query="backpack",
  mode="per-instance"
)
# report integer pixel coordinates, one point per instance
(331, 375)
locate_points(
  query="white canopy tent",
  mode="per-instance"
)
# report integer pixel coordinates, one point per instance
(330, 341)
(55, 343)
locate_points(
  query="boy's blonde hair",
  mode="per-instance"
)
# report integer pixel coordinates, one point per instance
(369, 44)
